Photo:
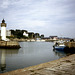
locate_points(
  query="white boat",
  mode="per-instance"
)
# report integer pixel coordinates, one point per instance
(59, 45)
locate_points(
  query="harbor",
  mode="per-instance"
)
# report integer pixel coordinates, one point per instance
(63, 66)
(30, 54)
(37, 37)
(18, 53)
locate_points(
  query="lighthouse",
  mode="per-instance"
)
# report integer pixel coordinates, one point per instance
(3, 30)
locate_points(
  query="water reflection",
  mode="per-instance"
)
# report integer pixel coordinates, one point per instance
(60, 53)
(3, 63)
(3, 53)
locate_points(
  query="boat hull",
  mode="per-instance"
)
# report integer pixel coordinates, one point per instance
(59, 48)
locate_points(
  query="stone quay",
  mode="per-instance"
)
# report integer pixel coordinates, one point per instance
(62, 66)
(9, 44)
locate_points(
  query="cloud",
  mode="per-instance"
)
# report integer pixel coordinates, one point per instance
(4, 4)
(45, 16)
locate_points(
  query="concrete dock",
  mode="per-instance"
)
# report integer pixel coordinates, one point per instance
(63, 66)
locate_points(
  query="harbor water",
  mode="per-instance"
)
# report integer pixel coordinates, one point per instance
(30, 53)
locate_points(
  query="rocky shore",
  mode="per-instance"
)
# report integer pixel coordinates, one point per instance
(63, 66)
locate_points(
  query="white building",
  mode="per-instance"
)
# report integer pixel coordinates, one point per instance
(25, 34)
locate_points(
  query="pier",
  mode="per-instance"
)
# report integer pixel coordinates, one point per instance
(70, 47)
(70, 44)
(9, 44)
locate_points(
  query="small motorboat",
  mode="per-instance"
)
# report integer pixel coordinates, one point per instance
(59, 46)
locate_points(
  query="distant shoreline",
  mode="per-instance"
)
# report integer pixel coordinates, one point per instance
(32, 40)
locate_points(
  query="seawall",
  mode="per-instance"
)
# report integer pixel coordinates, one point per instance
(70, 47)
(9, 44)
(63, 66)
(70, 44)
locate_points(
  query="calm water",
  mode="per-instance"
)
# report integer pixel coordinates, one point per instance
(30, 53)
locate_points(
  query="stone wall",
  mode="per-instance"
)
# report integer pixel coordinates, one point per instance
(70, 44)
(2, 43)
(9, 44)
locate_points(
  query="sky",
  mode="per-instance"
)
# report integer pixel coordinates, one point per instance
(48, 17)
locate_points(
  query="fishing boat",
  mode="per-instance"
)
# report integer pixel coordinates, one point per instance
(59, 45)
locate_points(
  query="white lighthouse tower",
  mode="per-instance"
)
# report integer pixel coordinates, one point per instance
(3, 30)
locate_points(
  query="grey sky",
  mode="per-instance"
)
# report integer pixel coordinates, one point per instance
(49, 17)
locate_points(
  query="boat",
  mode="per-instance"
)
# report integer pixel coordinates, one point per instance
(59, 45)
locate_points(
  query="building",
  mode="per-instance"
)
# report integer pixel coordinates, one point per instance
(54, 37)
(25, 34)
(8, 33)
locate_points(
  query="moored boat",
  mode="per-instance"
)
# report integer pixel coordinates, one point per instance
(59, 45)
